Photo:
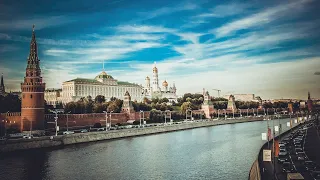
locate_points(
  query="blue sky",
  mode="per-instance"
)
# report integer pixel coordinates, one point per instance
(269, 48)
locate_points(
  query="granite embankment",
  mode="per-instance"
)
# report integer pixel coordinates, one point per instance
(42, 142)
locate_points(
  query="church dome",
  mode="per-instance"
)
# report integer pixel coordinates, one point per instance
(147, 78)
(165, 84)
(104, 75)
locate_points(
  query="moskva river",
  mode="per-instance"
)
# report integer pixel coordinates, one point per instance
(218, 152)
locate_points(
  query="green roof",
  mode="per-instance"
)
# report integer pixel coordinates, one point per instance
(126, 83)
(93, 81)
(83, 80)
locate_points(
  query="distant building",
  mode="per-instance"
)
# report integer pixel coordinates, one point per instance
(207, 105)
(242, 97)
(156, 92)
(309, 102)
(302, 105)
(231, 103)
(103, 84)
(2, 87)
(53, 97)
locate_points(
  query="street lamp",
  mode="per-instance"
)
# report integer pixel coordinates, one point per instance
(141, 112)
(106, 120)
(240, 113)
(267, 111)
(247, 112)
(225, 115)
(257, 111)
(233, 113)
(218, 114)
(253, 112)
(55, 122)
(110, 119)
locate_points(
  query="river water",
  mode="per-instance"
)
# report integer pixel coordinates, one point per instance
(217, 152)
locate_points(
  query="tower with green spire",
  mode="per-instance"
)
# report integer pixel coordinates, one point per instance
(2, 87)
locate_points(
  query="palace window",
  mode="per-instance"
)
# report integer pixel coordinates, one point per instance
(31, 96)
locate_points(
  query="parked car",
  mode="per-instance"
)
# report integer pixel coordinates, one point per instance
(68, 132)
(287, 167)
(27, 136)
(84, 130)
(301, 156)
(282, 159)
(100, 129)
(283, 152)
(297, 150)
(310, 166)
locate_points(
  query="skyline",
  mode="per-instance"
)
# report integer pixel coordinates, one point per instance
(249, 47)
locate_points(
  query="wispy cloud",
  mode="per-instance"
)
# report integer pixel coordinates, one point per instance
(40, 22)
(317, 73)
(168, 10)
(264, 17)
(225, 10)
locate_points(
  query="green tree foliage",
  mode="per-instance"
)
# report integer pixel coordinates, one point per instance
(10, 102)
(99, 99)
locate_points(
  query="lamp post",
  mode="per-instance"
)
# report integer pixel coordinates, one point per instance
(218, 114)
(240, 113)
(110, 120)
(247, 112)
(55, 122)
(233, 113)
(141, 117)
(264, 111)
(106, 120)
(225, 115)
(267, 111)
(257, 111)
(253, 112)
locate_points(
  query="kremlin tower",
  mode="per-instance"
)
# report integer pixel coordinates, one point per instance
(32, 101)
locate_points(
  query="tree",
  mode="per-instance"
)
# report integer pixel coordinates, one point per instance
(146, 100)
(98, 108)
(99, 99)
(10, 102)
(185, 106)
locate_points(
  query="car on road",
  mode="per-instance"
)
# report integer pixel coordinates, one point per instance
(301, 156)
(310, 166)
(287, 167)
(282, 159)
(297, 150)
(27, 136)
(68, 132)
(84, 130)
(100, 129)
(283, 152)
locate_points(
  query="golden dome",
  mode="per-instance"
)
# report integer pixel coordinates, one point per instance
(103, 73)
(155, 69)
(165, 84)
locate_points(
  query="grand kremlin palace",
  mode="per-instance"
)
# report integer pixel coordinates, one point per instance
(103, 84)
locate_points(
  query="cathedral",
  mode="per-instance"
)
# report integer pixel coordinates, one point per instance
(155, 91)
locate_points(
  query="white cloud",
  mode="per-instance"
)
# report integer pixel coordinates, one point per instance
(40, 22)
(264, 17)
(225, 10)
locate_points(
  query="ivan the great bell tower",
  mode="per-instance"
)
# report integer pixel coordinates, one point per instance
(32, 102)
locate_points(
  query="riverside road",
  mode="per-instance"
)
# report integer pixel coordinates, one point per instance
(217, 152)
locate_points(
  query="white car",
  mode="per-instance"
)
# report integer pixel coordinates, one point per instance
(68, 132)
(27, 136)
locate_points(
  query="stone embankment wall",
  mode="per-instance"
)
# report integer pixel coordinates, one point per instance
(13, 120)
(42, 142)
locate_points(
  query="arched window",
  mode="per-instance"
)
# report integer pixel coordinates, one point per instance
(31, 96)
